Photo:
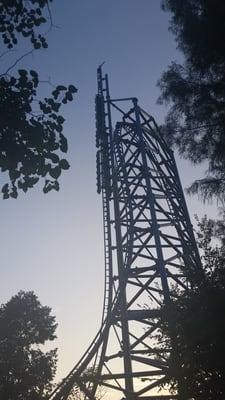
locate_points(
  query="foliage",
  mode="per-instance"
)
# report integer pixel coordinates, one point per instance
(23, 17)
(195, 123)
(26, 371)
(89, 376)
(31, 137)
(199, 333)
(195, 321)
(213, 256)
(29, 141)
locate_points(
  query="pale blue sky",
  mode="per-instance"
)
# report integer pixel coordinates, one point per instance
(52, 244)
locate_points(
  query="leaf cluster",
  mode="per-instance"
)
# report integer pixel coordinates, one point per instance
(31, 133)
(26, 371)
(18, 17)
(199, 30)
(195, 90)
(89, 376)
(195, 322)
(31, 130)
(198, 329)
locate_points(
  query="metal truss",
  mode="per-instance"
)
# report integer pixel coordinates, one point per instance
(149, 250)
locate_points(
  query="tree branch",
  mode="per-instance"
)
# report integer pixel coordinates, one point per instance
(17, 61)
(6, 52)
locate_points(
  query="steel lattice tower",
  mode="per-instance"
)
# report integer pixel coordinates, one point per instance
(148, 240)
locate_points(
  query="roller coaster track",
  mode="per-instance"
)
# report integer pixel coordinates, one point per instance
(148, 242)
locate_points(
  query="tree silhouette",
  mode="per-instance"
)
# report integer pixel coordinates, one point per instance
(195, 123)
(196, 322)
(31, 129)
(26, 371)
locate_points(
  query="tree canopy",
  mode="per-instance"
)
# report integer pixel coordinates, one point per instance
(195, 320)
(26, 371)
(195, 123)
(31, 129)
